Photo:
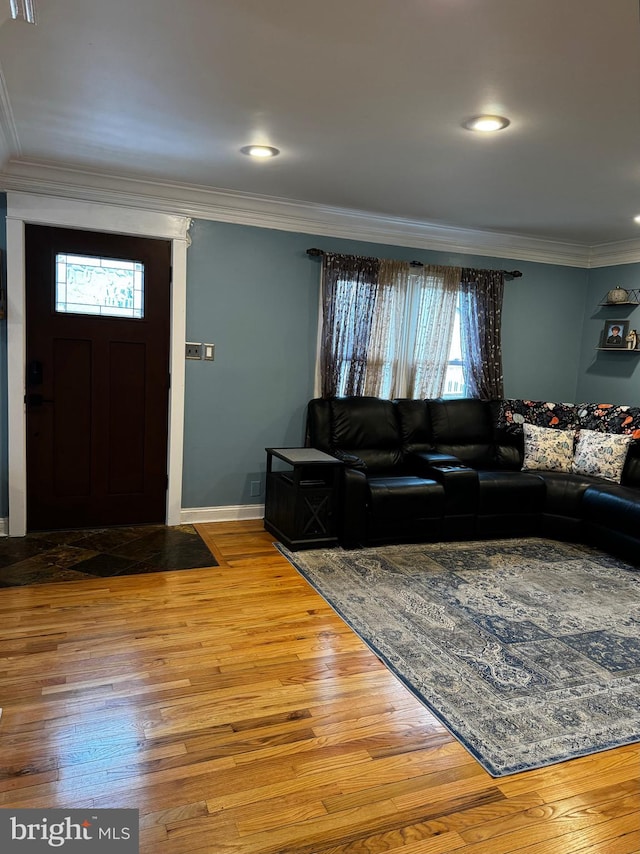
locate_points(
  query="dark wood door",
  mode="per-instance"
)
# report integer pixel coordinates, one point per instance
(97, 328)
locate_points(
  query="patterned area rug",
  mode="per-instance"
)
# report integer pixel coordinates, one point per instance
(528, 651)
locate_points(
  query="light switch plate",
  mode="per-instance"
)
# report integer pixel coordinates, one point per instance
(209, 352)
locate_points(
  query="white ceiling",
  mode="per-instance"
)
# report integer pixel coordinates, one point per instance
(365, 99)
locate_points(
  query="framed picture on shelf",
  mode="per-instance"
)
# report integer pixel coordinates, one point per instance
(614, 335)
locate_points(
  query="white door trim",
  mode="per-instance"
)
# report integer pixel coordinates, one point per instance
(48, 210)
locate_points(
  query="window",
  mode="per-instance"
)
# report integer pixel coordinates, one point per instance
(412, 337)
(454, 384)
(103, 286)
(395, 329)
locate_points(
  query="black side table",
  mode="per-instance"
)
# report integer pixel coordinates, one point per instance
(299, 501)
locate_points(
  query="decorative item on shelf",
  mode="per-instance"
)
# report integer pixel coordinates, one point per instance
(617, 295)
(621, 296)
(614, 335)
(618, 337)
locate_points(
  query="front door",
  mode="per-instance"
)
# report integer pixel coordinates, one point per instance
(97, 331)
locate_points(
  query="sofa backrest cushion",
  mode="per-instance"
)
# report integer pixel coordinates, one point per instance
(319, 424)
(367, 428)
(378, 433)
(513, 413)
(631, 471)
(509, 445)
(609, 418)
(465, 429)
(414, 424)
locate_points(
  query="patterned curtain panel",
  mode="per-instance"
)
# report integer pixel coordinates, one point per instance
(349, 297)
(481, 293)
(436, 301)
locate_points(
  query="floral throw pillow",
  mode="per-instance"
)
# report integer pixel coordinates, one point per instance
(547, 449)
(601, 454)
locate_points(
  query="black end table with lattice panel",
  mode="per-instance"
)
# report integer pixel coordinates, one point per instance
(300, 499)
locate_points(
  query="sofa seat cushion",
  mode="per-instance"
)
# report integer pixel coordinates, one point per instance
(510, 493)
(614, 507)
(405, 497)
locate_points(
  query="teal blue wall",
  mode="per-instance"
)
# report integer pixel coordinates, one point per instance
(253, 292)
(608, 377)
(542, 332)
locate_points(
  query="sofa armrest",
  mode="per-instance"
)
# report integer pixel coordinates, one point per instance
(350, 460)
(430, 463)
(353, 501)
(460, 482)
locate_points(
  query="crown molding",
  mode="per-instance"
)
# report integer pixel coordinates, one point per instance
(611, 254)
(286, 215)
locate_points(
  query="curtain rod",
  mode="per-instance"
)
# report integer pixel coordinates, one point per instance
(512, 274)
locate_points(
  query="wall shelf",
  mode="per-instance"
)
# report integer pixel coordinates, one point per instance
(634, 298)
(623, 321)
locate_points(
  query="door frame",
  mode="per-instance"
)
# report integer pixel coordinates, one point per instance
(25, 208)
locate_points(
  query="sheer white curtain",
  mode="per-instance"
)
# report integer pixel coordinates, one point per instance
(385, 372)
(437, 290)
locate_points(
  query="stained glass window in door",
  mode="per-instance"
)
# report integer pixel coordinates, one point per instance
(104, 286)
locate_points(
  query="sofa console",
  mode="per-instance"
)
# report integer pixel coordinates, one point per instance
(419, 470)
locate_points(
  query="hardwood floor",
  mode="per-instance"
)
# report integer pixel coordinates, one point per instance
(238, 713)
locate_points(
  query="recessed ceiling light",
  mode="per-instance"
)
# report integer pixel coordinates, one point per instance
(637, 219)
(260, 150)
(486, 124)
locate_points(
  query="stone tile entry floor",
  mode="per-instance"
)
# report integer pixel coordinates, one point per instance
(72, 555)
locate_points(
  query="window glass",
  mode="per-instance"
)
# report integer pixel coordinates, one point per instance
(402, 323)
(109, 287)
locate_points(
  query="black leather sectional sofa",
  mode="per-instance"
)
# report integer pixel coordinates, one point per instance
(417, 470)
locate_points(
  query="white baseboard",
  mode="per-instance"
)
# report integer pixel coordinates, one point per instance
(230, 513)
(190, 515)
